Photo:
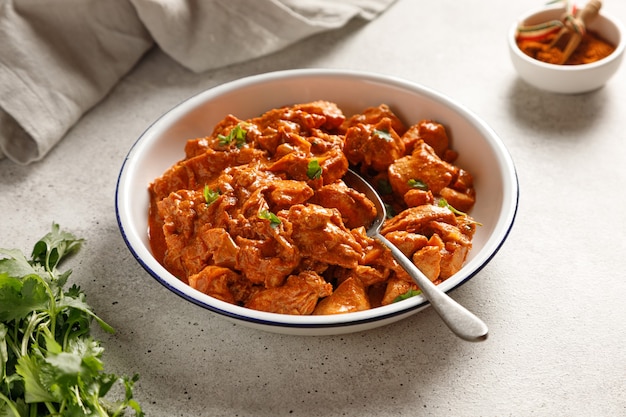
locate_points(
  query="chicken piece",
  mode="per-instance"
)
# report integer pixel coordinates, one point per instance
(460, 201)
(266, 262)
(373, 115)
(299, 119)
(355, 208)
(217, 213)
(375, 293)
(442, 258)
(464, 181)
(305, 119)
(333, 116)
(320, 234)
(322, 141)
(423, 165)
(198, 146)
(291, 142)
(172, 257)
(452, 259)
(408, 243)
(216, 282)
(295, 165)
(371, 248)
(194, 256)
(178, 212)
(207, 167)
(395, 288)
(416, 197)
(299, 295)
(282, 194)
(225, 125)
(466, 225)
(174, 179)
(432, 133)
(447, 232)
(221, 246)
(374, 146)
(241, 181)
(428, 260)
(334, 165)
(415, 219)
(369, 275)
(350, 296)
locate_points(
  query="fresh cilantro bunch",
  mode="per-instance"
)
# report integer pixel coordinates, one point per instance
(49, 363)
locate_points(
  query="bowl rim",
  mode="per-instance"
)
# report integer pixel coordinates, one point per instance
(615, 55)
(275, 320)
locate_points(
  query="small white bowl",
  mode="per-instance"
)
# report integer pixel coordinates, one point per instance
(568, 79)
(482, 153)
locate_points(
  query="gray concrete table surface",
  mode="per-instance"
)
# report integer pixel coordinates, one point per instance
(553, 297)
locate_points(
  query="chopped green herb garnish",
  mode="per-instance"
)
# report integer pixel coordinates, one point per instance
(268, 215)
(419, 184)
(443, 203)
(237, 134)
(384, 187)
(50, 365)
(210, 195)
(383, 134)
(390, 211)
(313, 169)
(410, 293)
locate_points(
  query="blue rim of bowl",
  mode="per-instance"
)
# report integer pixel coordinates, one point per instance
(295, 73)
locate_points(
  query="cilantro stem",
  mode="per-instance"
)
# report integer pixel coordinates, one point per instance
(49, 363)
(53, 411)
(10, 404)
(33, 321)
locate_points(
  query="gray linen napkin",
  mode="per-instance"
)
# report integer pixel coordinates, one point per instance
(58, 59)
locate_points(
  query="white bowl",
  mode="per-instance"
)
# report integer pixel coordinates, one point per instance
(568, 79)
(482, 153)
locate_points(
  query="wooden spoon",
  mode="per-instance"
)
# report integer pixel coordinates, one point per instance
(571, 34)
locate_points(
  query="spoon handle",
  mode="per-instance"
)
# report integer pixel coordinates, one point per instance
(461, 321)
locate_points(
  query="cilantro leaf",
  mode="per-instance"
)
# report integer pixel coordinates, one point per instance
(419, 184)
(19, 297)
(410, 293)
(391, 212)
(51, 249)
(443, 203)
(210, 195)
(31, 369)
(268, 215)
(314, 170)
(384, 187)
(237, 134)
(383, 134)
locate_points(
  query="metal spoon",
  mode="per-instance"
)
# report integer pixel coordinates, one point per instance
(461, 321)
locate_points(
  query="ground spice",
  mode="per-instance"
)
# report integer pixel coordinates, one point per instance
(592, 48)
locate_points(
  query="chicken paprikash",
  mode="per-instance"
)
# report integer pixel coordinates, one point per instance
(257, 214)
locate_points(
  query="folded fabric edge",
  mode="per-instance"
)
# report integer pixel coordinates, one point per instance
(15, 143)
(204, 47)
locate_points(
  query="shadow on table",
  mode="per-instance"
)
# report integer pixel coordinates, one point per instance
(560, 114)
